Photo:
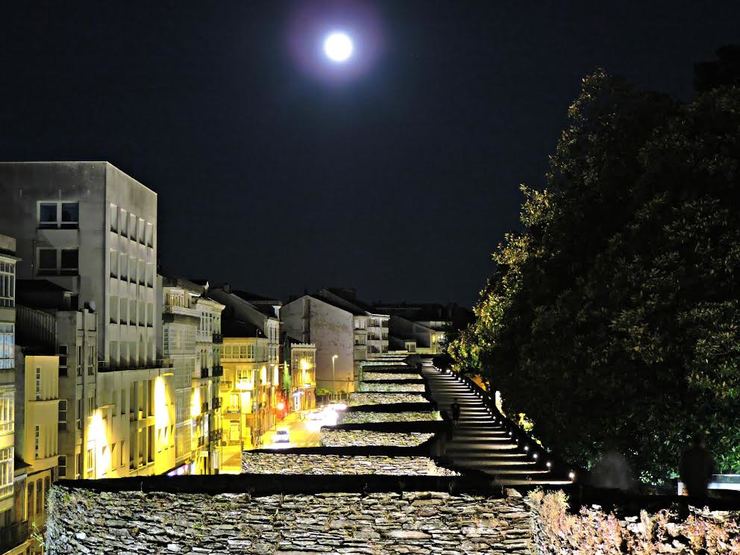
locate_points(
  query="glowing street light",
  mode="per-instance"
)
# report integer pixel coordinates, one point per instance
(338, 47)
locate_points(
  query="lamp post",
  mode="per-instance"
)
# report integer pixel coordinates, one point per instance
(334, 375)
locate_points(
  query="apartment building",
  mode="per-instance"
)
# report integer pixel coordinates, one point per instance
(92, 230)
(247, 390)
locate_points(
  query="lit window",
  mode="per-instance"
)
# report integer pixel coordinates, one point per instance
(7, 345)
(7, 284)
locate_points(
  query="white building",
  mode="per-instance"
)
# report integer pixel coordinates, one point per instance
(340, 336)
(91, 229)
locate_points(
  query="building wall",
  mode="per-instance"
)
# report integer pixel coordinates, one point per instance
(302, 376)
(247, 391)
(331, 329)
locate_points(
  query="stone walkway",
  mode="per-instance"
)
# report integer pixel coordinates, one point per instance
(481, 443)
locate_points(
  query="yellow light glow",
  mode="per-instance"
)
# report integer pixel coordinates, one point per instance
(97, 440)
(161, 409)
(305, 365)
(195, 404)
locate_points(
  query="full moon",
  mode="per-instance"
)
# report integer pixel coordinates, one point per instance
(338, 47)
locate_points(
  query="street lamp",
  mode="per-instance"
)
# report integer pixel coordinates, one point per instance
(334, 374)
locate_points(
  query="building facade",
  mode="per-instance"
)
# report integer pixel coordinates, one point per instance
(91, 229)
(340, 337)
(301, 366)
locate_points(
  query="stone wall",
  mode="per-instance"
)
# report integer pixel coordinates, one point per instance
(85, 521)
(285, 463)
(362, 417)
(359, 399)
(394, 387)
(592, 530)
(355, 438)
(385, 376)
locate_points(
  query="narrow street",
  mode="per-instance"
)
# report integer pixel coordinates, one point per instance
(303, 431)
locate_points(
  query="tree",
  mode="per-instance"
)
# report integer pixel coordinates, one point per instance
(613, 316)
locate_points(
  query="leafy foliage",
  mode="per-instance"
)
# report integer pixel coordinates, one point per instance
(613, 316)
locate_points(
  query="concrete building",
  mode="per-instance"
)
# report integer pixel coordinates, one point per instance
(92, 230)
(376, 324)
(339, 334)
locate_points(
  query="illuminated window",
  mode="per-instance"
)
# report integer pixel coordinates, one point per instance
(7, 284)
(7, 345)
(38, 384)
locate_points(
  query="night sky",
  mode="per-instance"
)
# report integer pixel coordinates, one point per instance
(398, 178)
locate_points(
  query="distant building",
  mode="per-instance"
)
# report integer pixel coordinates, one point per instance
(339, 334)
(376, 323)
(423, 327)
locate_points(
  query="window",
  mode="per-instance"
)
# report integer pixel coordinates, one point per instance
(62, 414)
(70, 262)
(7, 345)
(79, 360)
(6, 472)
(89, 463)
(62, 466)
(39, 498)
(37, 442)
(38, 384)
(55, 215)
(113, 217)
(53, 262)
(78, 419)
(63, 360)
(47, 262)
(7, 284)
(70, 214)
(7, 408)
(123, 222)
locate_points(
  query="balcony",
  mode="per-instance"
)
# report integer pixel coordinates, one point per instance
(218, 338)
(217, 371)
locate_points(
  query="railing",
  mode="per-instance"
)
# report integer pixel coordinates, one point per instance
(542, 456)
